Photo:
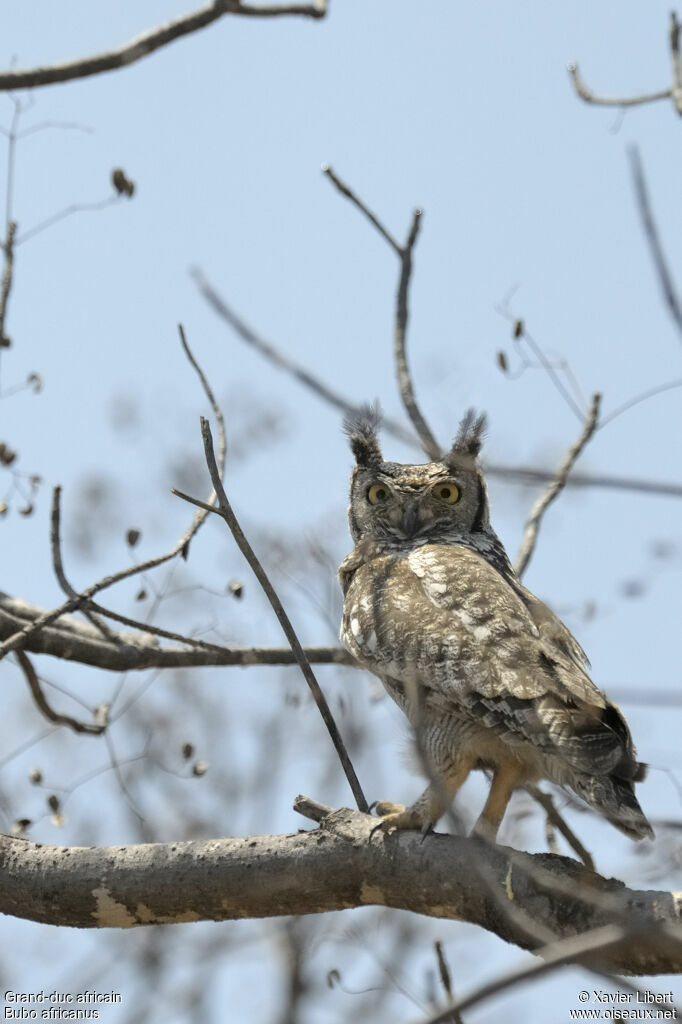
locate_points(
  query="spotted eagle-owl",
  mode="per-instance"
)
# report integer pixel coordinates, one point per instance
(488, 676)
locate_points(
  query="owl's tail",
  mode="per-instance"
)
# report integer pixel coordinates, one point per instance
(614, 798)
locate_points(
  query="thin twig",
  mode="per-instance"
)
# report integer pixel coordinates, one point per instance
(677, 65)
(670, 385)
(404, 253)
(653, 238)
(556, 820)
(31, 677)
(349, 194)
(530, 534)
(7, 273)
(577, 949)
(68, 211)
(674, 93)
(226, 513)
(150, 41)
(611, 101)
(58, 566)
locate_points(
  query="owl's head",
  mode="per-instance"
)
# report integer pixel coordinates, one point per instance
(404, 505)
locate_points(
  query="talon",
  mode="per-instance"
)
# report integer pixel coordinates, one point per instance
(427, 829)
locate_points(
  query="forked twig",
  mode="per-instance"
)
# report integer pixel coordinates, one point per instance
(224, 510)
(404, 253)
(153, 40)
(530, 534)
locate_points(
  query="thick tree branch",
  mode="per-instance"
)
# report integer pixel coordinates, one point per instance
(335, 867)
(530, 534)
(226, 512)
(153, 40)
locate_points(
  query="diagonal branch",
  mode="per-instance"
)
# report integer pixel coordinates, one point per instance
(404, 253)
(225, 511)
(585, 950)
(153, 40)
(285, 362)
(653, 238)
(554, 489)
(526, 475)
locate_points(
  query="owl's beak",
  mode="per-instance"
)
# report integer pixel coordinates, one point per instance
(410, 521)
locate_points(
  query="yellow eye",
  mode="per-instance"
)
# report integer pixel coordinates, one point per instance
(377, 493)
(447, 492)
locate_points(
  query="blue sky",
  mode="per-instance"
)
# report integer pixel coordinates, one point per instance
(465, 110)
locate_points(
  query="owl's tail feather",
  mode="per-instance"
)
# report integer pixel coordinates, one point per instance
(615, 800)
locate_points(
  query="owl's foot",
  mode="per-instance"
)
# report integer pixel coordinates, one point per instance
(397, 816)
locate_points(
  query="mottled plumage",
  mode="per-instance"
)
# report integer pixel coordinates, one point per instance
(489, 677)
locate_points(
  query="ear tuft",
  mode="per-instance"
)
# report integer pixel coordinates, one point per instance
(469, 440)
(362, 427)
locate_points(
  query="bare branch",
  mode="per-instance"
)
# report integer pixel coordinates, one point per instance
(404, 253)
(267, 876)
(674, 93)
(57, 565)
(526, 475)
(585, 950)
(68, 211)
(83, 600)
(153, 40)
(77, 641)
(7, 273)
(611, 101)
(555, 488)
(285, 362)
(225, 512)
(653, 238)
(677, 66)
(363, 208)
(31, 677)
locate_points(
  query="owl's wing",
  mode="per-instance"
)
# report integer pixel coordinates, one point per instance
(444, 619)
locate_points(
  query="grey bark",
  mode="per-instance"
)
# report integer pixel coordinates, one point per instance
(337, 866)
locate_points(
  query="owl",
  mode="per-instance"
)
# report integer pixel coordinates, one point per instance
(486, 673)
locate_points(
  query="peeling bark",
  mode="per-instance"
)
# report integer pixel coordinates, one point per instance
(339, 865)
